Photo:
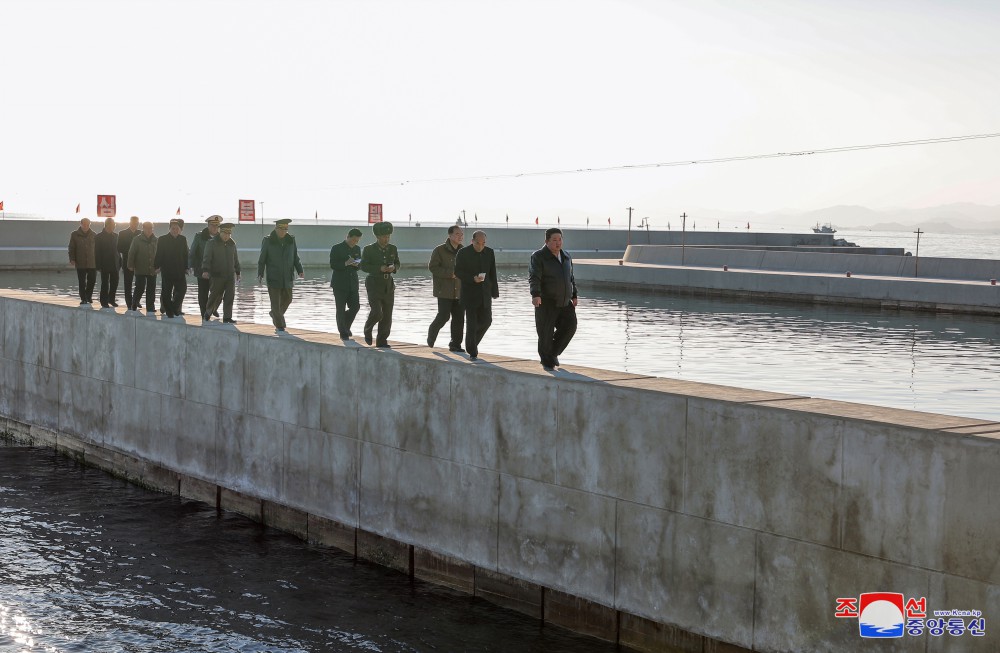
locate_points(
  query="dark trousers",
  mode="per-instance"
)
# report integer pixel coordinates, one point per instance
(380, 298)
(448, 309)
(127, 276)
(555, 326)
(145, 283)
(203, 287)
(281, 298)
(172, 291)
(477, 321)
(109, 286)
(222, 291)
(87, 278)
(348, 304)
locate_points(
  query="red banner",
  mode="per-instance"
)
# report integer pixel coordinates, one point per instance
(247, 211)
(374, 213)
(105, 206)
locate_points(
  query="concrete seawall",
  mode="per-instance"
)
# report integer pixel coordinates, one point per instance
(874, 281)
(648, 511)
(34, 244)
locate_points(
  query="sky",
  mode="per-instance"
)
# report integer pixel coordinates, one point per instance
(320, 107)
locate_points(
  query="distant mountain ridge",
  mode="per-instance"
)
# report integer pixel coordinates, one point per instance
(948, 218)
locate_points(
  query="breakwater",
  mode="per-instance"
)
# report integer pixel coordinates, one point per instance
(647, 511)
(34, 244)
(893, 282)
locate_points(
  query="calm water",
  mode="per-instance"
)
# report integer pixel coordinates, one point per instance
(935, 363)
(92, 564)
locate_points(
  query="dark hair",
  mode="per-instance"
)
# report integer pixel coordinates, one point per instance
(552, 231)
(453, 228)
(354, 232)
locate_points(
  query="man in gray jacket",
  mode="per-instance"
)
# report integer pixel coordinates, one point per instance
(83, 258)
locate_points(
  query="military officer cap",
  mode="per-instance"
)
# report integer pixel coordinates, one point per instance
(214, 219)
(283, 222)
(227, 227)
(178, 222)
(382, 228)
(354, 233)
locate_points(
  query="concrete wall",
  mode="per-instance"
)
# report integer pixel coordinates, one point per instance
(37, 244)
(812, 261)
(656, 512)
(752, 283)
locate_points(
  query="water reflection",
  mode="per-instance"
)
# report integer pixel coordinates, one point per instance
(938, 363)
(93, 564)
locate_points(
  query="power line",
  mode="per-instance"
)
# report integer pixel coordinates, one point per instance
(682, 162)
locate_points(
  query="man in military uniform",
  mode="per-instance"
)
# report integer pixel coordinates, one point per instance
(380, 261)
(345, 258)
(221, 266)
(197, 255)
(279, 258)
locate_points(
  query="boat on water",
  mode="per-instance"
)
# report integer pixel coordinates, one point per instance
(825, 229)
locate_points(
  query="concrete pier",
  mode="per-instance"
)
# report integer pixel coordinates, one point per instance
(653, 512)
(34, 244)
(895, 282)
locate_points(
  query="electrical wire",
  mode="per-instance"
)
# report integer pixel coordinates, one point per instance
(682, 162)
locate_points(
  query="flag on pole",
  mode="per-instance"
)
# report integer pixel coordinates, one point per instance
(178, 210)
(609, 221)
(558, 220)
(317, 215)
(588, 220)
(475, 216)
(536, 220)
(77, 208)
(1, 205)
(508, 218)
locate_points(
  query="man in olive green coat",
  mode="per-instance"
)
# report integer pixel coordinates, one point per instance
(279, 259)
(142, 262)
(82, 257)
(380, 260)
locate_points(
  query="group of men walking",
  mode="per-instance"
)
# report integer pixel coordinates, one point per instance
(465, 279)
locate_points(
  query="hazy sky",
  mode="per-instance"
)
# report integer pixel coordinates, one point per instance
(326, 106)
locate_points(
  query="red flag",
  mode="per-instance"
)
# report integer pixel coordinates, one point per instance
(1, 205)
(609, 220)
(178, 210)
(536, 220)
(77, 208)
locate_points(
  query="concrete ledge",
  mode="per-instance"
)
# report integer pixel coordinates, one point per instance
(384, 551)
(509, 592)
(444, 570)
(286, 519)
(330, 533)
(580, 615)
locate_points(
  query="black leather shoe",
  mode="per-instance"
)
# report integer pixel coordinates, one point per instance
(368, 338)
(457, 350)
(555, 361)
(232, 322)
(383, 345)
(215, 313)
(430, 343)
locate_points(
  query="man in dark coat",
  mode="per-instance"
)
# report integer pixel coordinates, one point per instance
(447, 289)
(81, 257)
(221, 266)
(279, 258)
(197, 255)
(345, 258)
(476, 268)
(125, 237)
(380, 260)
(108, 261)
(553, 294)
(172, 262)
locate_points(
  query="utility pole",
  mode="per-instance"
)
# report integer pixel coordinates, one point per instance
(916, 261)
(684, 217)
(628, 239)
